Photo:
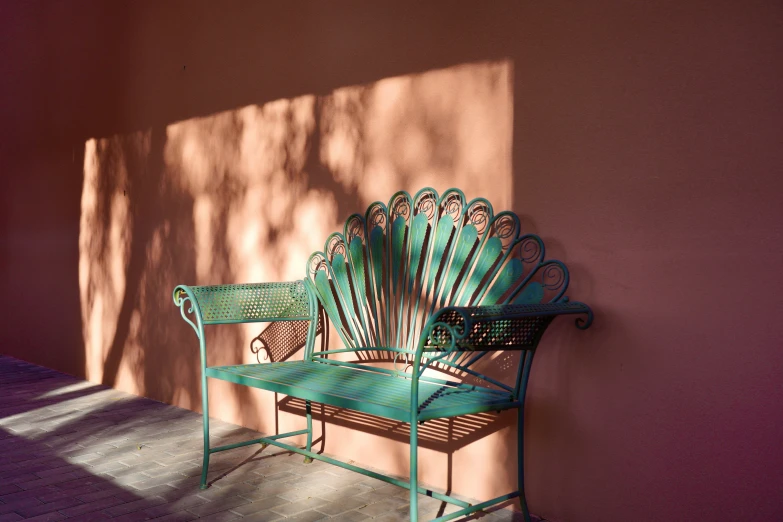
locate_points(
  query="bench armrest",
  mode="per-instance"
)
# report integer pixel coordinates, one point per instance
(512, 326)
(244, 303)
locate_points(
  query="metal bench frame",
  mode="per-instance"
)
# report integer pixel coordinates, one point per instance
(434, 281)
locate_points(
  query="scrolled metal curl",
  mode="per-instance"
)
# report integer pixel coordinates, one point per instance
(454, 332)
(263, 346)
(583, 323)
(531, 248)
(354, 227)
(452, 206)
(407, 361)
(377, 216)
(181, 298)
(335, 245)
(505, 227)
(401, 206)
(427, 203)
(316, 262)
(554, 276)
(479, 215)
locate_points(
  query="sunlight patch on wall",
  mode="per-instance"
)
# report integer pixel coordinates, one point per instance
(442, 128)
(248, 194)
(105, 240)
(245, 172)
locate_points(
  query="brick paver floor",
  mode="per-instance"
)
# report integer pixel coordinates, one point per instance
(72, 449)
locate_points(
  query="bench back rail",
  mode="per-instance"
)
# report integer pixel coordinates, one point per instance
(391, 269)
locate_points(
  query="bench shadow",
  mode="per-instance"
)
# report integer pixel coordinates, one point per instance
(62, 457)
(280, 341)
(37, 482)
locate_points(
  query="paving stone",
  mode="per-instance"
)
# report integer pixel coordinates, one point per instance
(95, 483)
(17, 478)
(379, 508)
(165, 491)
(50, 466)
(342, 493)
(48, 507)
(390, 490)
(230, 490)
(338, 482)
(18, 504)
(349, 516)
(295, 494)
(47, 517)
(134, 516)
(279, 477)
(294, 508)
(263, 516)
(24, 493)
(372, 497)
(307, 516)
(189, 484)
(220, 517)
(123, 471)
(95, 505)
(395, 516)
(179, 516)
(260, 505)
(150, 482)
(137, 505)
(373, 482)
(128, 479)
(183, 503)
(336, 508)
(266, 491)
(274, 469)
(218, 505)
(51, 494)
(56, 479)
(95, 495)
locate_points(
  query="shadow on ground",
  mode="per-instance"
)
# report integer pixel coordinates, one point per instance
(71, 449)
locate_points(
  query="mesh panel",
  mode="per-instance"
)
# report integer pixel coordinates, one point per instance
(252, 302)
(502, 325)
(282, 339)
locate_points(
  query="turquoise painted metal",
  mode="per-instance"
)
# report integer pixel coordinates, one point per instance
(431, 281)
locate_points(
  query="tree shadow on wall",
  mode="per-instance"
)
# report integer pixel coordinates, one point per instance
(135, 236)
(178, 204)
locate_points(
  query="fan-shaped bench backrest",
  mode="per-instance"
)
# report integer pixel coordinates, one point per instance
(381, 279)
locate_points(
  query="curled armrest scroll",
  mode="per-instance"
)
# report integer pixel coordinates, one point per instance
(184, 299)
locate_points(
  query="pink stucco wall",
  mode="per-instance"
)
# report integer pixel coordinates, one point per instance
(643, 142)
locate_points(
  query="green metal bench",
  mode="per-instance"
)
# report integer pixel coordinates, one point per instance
(432, 282)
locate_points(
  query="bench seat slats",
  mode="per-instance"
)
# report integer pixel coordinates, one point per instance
(366, 391)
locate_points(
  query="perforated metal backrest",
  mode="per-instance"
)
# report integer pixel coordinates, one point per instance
(252, 302)
(391, 268)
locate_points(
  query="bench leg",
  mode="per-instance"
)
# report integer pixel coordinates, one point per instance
(414, 478)
(521, 461)
(309, 410)
(205, 408)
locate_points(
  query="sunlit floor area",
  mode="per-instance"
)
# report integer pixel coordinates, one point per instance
(71, 449)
